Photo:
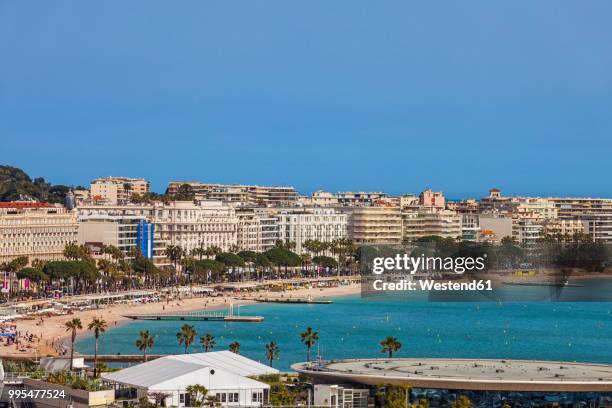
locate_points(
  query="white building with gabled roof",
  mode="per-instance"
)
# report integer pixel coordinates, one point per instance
(223, 373)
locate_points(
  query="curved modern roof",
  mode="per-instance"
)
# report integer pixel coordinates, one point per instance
(465, 374)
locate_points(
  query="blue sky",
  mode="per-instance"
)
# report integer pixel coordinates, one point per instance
(341, 95)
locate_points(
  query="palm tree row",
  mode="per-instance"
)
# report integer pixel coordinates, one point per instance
(187, 335)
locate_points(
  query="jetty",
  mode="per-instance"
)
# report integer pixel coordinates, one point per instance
(202, 315)
(308, 300)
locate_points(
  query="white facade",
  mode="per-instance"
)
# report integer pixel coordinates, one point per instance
(38, 231)
(117, 190)
(321, 224)
(427, 221)
(224, 374)
(201, 225)
(257, 231)
(337, 396)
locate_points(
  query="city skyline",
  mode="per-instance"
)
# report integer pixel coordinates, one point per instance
(392, 193)
(350, 96)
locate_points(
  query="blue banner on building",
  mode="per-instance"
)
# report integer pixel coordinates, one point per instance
(145, 238)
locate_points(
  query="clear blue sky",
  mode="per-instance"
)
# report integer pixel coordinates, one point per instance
(396, 96)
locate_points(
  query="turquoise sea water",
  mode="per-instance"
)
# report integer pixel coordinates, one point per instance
(353, 327)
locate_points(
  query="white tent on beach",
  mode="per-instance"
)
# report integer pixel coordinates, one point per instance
(223, 373)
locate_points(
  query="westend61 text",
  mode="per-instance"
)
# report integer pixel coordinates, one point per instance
(428, 285)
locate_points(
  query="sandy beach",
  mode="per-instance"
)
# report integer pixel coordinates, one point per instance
(50, 335)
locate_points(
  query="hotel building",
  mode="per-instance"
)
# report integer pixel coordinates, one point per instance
(201, 225)
(300, 225)
(117, 190)
(36, 230)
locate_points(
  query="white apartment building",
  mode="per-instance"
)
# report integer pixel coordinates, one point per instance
(374, 225)
(117, 190)
(300, 225)
(594, 213)
(242, 194)
(598, 226)
(563, 227)
(527, 229)
(426, 221)
(190, 225)
(470, 227)
(321, 198)
(36, 230)
(257, 230)
(543, 207)
(359, 199)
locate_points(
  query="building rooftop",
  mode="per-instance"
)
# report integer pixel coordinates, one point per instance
(217, 370)
(24, 204)
(467, 374)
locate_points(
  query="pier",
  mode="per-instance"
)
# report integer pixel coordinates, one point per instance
(203, 315)
(290, 300)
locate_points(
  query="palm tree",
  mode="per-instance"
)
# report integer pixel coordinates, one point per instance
(98, 326)
(390, 345)
(208, 342)
(234, 347)
(272, 351)
(144, 342)
(212, 251)
(174, 253)
(197, 394)
(309, 338)
(72, 326)
(186, 336)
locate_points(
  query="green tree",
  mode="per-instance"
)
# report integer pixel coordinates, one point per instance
(212, 251)
(208, 342)
(325, 261)
(395, 396)
(174, 253)
(390, 345)
(309, 338)
(272, 352)
(17, 264)
(281, 395)
(33, 274)
(73, 326)
(145, 341)
(197, 394)
(98, 326)
(234, 347)
(184, 193)
(462, 402)
(186, 336)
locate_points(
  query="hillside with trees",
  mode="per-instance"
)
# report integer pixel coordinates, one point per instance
(16, 185)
